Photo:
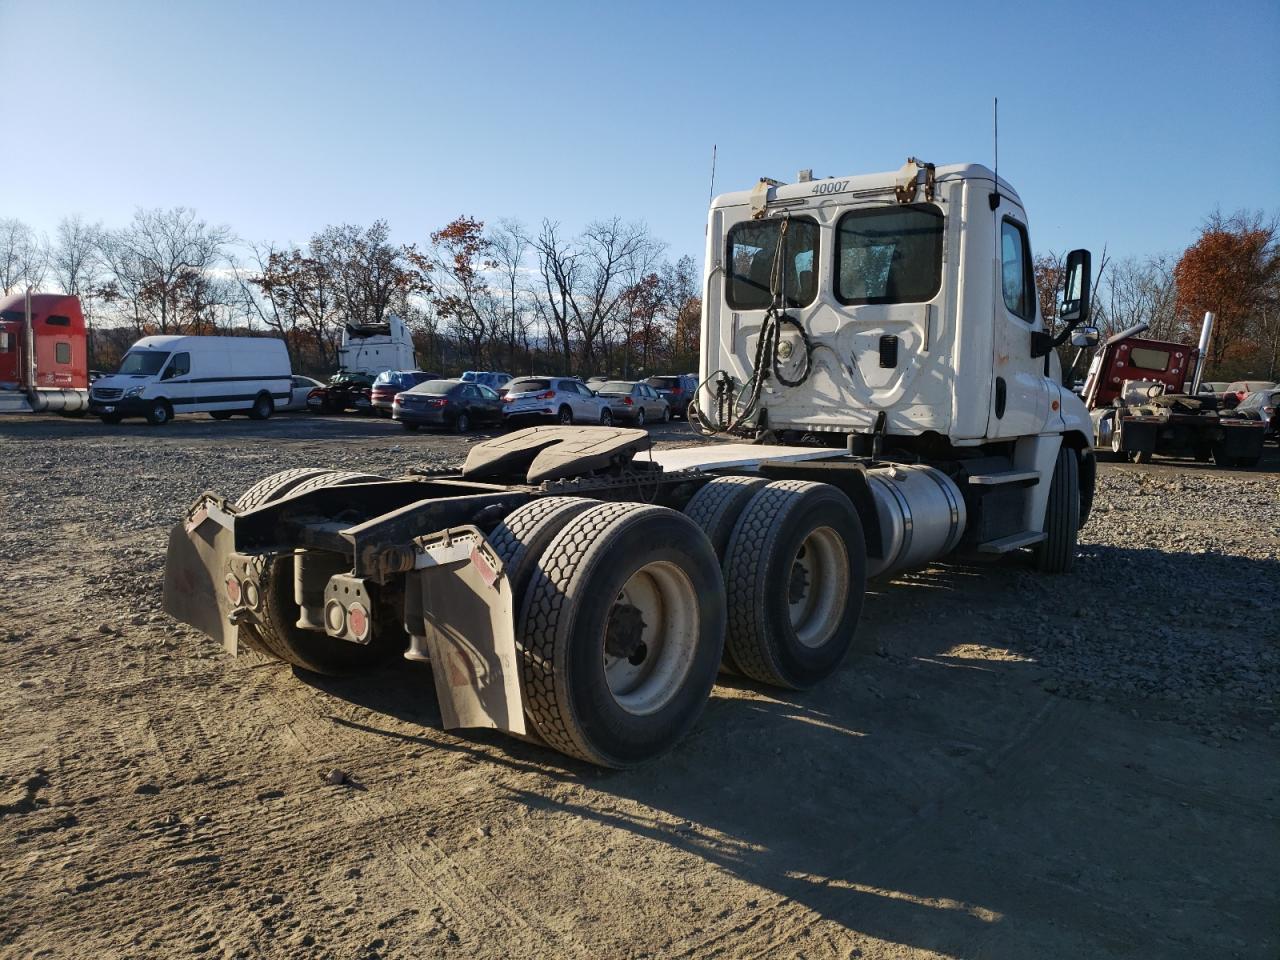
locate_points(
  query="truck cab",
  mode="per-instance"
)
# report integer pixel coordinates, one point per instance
(43, 354)
(908, 296)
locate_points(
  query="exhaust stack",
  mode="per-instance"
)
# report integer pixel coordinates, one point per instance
(1206, 334)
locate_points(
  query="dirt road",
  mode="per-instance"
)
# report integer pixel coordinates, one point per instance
(1083, 766)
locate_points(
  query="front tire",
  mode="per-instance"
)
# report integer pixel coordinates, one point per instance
(621, 631)
(1057, 551)
(795, 572)
(160, 413)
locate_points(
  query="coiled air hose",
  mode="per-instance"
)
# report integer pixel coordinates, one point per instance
(733, 411)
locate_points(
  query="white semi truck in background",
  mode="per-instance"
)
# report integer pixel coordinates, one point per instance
(879, 391)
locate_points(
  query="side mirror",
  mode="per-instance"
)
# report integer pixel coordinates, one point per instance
(1084, 337)
(1075, 294)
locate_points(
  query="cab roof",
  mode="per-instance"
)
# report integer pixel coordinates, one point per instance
(867, 184)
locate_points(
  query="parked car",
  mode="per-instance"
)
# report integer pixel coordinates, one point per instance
(677, 390)
(346, 390)
(448, 404)
(1240, 389)
(634, 402)
(390, 382)
(490, 378)
(562, 399)
(161, 376)
(595, 380)
(1214, 386)
(302, 387)
(1262, 405)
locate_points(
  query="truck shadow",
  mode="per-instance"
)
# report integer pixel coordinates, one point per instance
(934, 793)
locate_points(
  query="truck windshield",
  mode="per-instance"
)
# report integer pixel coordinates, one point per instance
(889, 255)
(143, 363)
(752, 248)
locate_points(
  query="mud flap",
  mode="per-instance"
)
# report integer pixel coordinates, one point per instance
(458, 605)
(199, 550)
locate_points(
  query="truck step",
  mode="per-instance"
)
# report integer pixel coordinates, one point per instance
(1011, 542)
(1005, 476)
(11, 401)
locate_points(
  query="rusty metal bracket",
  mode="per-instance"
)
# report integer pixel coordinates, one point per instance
(907, 183)
(760, 196)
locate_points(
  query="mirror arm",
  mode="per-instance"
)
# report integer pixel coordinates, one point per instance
(1042, 343)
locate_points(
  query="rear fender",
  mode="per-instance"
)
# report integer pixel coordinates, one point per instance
(459, 613)
(200, 549)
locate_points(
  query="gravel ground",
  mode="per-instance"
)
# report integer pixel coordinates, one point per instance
(1013, 766)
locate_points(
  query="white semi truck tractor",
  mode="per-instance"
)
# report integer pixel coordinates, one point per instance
(879, 391)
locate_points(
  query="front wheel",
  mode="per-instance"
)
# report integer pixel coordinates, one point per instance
(1057, 551)
(666, 414)
(159, 414)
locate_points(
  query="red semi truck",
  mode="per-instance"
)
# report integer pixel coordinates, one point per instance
(44, 361)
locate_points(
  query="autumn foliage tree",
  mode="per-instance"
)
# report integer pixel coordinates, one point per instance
(1232, 269)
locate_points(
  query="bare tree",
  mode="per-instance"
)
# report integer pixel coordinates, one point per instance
(615, 255)
(161, 265)
(508, 247)
(23, 257)
(559, 267)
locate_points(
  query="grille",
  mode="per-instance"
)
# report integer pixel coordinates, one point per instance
(107, 393)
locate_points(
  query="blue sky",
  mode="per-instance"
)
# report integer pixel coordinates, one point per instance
(1121, 123)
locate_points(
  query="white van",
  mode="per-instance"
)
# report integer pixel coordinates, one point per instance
(163, 376)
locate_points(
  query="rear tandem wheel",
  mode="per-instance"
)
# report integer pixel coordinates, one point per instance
(620, 633)
(278, 635)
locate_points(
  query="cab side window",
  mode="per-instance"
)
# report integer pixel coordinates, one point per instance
(179, 366)
(1016, 276)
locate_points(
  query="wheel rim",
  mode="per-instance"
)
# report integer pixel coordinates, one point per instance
(640, 418)
(606, 418)
(162, 414)
(1115, 441)
(818, 586)
(463, 423)
(566, 416)
(651, 638)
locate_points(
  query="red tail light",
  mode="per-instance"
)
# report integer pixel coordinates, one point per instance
(676, 391)
(316, 392)
(549, 395)
(437, 403)
(627, 401)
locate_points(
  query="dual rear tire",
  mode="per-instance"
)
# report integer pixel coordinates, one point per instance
(277, 633)
(620, 624)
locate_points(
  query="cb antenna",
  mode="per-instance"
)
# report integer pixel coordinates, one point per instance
(713, 175)
(995, 142)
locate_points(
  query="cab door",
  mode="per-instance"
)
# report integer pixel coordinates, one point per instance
(1019, 387)
(176, 385)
